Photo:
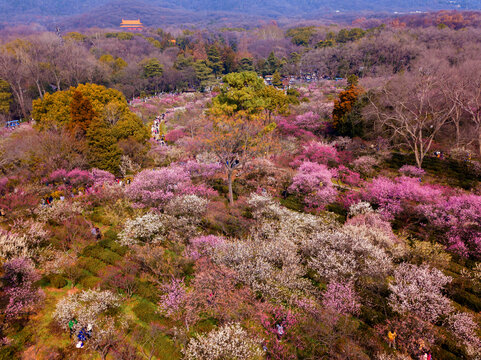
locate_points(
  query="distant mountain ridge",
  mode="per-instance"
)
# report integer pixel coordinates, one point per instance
(105, 13)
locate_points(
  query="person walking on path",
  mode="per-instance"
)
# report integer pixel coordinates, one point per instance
(392, 339)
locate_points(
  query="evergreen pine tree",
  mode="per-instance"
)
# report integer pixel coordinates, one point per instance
(276, 79)
(214, 60)
(103, 151)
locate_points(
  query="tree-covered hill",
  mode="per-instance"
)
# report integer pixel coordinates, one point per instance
(159, 12)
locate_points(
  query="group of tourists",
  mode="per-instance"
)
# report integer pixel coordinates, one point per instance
(83, 335)
(423, 352)
(156, 130)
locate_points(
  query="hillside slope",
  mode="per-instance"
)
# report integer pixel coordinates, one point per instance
(157, 12)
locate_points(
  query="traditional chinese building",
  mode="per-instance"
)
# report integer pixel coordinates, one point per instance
(131, 24)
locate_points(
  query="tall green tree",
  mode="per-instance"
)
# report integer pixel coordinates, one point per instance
(214, 60)
(246, 64)
(5, 97)
(103, 151)
(240, 92)
(152, 68)
(203, 73)
(276, 80)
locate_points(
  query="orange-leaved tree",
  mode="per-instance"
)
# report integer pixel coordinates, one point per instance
(344, 104)
(81, 115)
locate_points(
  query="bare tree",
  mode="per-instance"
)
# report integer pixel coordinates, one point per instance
(468, 94)
(413, 108)
(14, 72)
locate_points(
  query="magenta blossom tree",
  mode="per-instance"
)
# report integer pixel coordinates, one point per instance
(319, 153)
(313, 181)
(457, 220)
(175, 298)
(392, 195)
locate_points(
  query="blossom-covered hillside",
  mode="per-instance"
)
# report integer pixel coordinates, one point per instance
(243, 223)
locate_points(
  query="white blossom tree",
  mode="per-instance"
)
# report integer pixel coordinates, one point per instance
(418, 290)
(93, 309)
(230, 341)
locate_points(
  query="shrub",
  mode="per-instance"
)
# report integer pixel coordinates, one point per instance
(146, 311)
(90, 282)
(57, 281)
(147, 290)
(414, 171)
(91, 264)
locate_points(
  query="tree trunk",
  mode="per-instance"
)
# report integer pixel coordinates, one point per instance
(418, 156)
(229, 183)
(458, 135)
(479, 141)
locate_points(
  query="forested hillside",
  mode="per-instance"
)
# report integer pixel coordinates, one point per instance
(47, 11)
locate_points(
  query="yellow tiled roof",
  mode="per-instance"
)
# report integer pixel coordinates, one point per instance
(131, 22)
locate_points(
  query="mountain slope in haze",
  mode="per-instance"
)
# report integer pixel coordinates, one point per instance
(106, 13)
(109, 15)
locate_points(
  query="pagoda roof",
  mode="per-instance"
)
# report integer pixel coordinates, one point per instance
(131, 22)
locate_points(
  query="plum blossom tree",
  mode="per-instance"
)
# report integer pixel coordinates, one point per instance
(18, 286)
(392, 195)
(418, 290)
(148, 228)
(414, 171)
(95, 309)
(314, 182)
(230, 341)
(342, 298)
(203, 246)
(465, 329)
(156, 187)
(317, 152)
(175, 298)
(458, 220)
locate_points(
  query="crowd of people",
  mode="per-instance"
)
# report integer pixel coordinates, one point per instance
(156, 130)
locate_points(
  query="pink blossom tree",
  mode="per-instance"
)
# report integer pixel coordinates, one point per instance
(314, 182)
(175, 298)
(392, 195)
(458, 221)
(19, 288)
(342, 298)
(319, 153)
(156, 187)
